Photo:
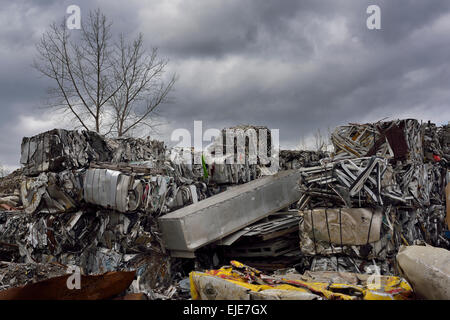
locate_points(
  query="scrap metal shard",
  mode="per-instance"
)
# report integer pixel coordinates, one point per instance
(93, 287)
(196, 225)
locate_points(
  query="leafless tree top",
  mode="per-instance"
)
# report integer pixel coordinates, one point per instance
(108, 86)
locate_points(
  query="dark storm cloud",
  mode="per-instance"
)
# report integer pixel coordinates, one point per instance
(360, 73)
(293, 65)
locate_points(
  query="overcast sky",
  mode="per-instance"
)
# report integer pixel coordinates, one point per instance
(292, 65)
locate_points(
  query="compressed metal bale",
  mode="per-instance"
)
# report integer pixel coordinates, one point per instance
(350, 226)
(399, 139)
(427, 269)
(110, 189)
(352, 232)
(58, 149)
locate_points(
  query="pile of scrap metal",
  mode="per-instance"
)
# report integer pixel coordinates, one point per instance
(271, 244)
(83, 205)
(65, 169)
(96, 241)
(373, 195)
(354, 211)
(130, 206)
(92, 202)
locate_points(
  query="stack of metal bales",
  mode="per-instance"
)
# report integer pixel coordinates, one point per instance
(376, 193)
(92, 202)
(66, 168)
(89, 201)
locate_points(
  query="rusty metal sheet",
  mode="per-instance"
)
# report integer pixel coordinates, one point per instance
(93, 287)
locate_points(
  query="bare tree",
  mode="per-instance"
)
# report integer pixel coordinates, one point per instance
(97, 81)
(139, 77)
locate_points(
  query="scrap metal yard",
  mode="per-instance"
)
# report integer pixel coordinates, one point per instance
(371, 216)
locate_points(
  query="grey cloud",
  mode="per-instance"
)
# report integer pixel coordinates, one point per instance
(292, 65)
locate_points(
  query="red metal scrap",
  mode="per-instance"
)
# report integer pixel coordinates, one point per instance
(93, 287)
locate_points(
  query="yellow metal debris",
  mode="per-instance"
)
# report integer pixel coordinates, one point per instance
(240, 281)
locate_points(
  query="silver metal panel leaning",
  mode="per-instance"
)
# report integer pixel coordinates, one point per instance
(189, 228)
